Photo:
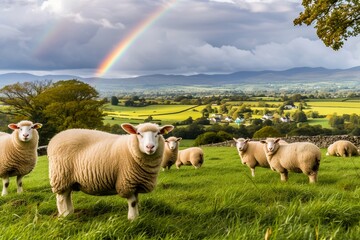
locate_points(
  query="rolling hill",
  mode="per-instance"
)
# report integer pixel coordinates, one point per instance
(294, 79)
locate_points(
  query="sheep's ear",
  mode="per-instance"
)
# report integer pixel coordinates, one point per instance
(235, 139)
(129, 128)
(263, 141)
(166, 129)
(13, 126)
(247, 140)
(178, 139)
(36, 125)
(277, 140)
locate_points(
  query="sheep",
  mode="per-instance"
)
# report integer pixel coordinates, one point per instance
(342, 148)
(297, 157)
(100, 163)
(190, 156)
(170, 152)
(251, 153)
(19, 153)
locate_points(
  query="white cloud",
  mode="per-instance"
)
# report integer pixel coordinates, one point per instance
(223, 1)
(192, 36)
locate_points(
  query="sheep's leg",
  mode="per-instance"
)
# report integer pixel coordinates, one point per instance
(6, 183)
(64, 203)
(284, 176)
(19, 184)
(133, 203)
(252, 172)
(312, 177)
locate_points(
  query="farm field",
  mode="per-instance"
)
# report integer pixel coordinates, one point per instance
(218, 201)
(168, 114)
(330, 107)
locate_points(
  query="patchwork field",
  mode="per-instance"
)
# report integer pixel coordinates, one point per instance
(218, 201)
(339, 107)
(169, 114)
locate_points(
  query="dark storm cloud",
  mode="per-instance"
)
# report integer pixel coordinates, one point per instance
(191, 37)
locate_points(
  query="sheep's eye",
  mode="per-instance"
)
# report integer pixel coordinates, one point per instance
(138, 133)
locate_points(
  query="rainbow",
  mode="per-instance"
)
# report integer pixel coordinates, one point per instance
(50, 38)
(130, 38)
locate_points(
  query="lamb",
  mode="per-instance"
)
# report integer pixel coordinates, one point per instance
(170, 152)
(19, 153)
(100, 163)
(190, 156)
(251, 153)
(297, 157)
(342, 148)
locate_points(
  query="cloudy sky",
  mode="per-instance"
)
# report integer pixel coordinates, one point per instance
(189, 36)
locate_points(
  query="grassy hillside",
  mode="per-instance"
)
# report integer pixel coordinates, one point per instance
(218, 201)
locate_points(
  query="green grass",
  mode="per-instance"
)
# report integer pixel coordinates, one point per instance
(167, 114)
(339, 106)
(218, 201)
(324, 122)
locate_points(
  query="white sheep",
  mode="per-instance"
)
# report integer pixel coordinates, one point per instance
(251, 153)
(190, 156)
(342, 148)
(19, 153)
(170, 152)
(100, 163)
(297, 157)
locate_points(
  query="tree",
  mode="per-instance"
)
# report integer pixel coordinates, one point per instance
(335, 21)
(299, 116)
(148, 119)
(266, 131)
(114, 101)
(208, 138)
(71, 104)
(336, 121)
(21, 99)
(58, 106)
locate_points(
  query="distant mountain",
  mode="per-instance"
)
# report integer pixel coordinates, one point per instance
(294, 79)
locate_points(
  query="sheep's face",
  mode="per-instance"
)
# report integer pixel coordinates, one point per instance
(25, 129)
(148, 141)
(148, 135)
(241, 144)
(271, 145)
(172, 143)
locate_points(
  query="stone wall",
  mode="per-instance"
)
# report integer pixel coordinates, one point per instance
(320, 141)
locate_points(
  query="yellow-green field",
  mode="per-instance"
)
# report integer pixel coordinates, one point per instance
(330, 107)
(169, 114)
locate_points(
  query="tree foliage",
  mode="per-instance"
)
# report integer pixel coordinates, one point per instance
(208, 138)
(335, 20)
(299, 116)
(58, 106)
(21, 98)
(114, 101)
(267, 131)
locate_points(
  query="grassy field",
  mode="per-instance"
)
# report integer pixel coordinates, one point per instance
(169, 114)
(339, 106)
(218, 201)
